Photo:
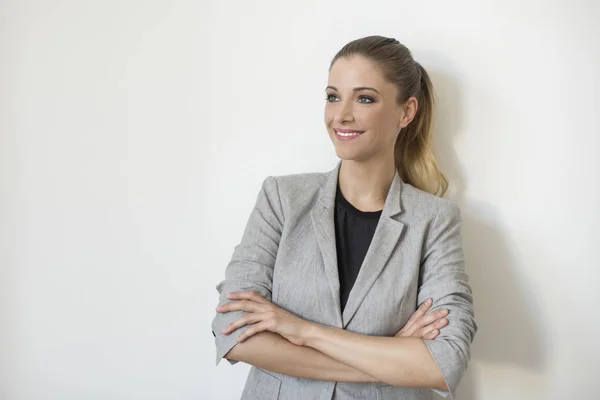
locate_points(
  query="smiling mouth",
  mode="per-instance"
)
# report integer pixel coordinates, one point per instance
(347, 134)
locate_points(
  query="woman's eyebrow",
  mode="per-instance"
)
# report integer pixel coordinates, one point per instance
(356, 89)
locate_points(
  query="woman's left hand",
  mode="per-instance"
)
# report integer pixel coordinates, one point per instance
(264, 316)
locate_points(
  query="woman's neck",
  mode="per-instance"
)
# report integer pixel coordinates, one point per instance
(366, 184)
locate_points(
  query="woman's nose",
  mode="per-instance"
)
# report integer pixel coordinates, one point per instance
(345, 113)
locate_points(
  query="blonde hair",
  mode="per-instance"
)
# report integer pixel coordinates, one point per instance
(412, 152)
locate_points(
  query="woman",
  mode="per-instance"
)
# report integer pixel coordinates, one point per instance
(318, 296)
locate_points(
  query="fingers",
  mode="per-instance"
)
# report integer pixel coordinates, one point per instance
(247, 319)
(253, 330)
(248, 300)
(242, 305)
(251, 302)
(422, 310)
(426, 331)
(431, 335)
(431, 318)
(409, 328)
(425, 323)
(247, 295)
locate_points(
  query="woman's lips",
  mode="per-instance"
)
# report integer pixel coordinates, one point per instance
(347, 134)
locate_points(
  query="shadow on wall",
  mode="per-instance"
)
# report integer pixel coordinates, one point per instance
(510, 329)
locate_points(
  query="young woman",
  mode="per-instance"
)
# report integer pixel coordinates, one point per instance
(319, 294)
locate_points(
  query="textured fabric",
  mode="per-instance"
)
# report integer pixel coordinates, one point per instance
(354, 230)
(288, 254)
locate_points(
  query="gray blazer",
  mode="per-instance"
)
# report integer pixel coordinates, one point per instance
(288, 255)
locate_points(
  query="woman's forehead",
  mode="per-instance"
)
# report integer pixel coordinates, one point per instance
(348, 73)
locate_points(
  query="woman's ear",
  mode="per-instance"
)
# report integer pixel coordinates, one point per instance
(409, 111)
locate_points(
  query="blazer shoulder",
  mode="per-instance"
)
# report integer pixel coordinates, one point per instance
(420, 203)
(294, 184)
(298, 192)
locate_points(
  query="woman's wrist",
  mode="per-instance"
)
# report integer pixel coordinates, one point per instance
(311, 335)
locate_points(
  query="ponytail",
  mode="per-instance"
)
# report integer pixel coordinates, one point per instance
(413, 156)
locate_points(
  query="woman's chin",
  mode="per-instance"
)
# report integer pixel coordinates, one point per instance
(349, 154)
(350, 149)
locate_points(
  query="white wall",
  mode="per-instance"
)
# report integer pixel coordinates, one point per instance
(134, 137)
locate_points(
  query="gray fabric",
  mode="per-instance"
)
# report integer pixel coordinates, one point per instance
(287, 254)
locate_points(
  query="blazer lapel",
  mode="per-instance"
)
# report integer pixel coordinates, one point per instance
(386, 237)
(322, 216)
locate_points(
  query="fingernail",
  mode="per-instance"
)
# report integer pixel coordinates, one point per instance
(444, 312)
(228, 295)
(429, 301)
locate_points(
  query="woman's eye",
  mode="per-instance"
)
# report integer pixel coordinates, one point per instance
(362, 99)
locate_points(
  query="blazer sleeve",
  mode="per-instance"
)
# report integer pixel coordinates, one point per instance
(443, 278)
(252, 263)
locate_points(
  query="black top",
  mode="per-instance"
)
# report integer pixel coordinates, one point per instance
(354, 230)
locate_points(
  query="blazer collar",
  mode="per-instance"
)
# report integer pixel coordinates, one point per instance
(385, 239)
(392, 206)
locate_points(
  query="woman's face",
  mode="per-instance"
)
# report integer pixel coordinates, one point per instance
(362, 115)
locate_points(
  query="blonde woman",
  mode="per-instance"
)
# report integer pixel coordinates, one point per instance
(351, 284)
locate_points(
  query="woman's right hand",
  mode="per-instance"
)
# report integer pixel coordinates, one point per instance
(424, 326)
